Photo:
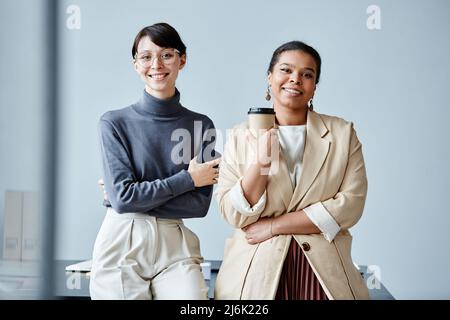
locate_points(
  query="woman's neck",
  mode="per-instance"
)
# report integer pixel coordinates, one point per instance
(288, 117)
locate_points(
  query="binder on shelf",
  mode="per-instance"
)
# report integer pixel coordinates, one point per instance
(30, 226)
(21, 230)
(12, 227)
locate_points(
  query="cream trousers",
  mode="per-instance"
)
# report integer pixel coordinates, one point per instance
(137, 256)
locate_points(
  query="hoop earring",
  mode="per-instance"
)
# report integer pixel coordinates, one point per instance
(311, 107)
(268, 97)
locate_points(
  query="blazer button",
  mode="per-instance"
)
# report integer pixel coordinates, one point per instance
(306, 246)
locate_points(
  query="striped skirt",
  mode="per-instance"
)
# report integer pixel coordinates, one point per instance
(298, 281)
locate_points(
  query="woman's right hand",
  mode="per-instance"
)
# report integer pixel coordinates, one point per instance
(264, 145)
(204, 174)
(266, 148)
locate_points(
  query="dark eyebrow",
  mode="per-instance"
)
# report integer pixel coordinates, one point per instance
(150, 51)
(144, 51)
(291, 66)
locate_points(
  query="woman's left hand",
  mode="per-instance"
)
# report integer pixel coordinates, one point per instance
(259, 231)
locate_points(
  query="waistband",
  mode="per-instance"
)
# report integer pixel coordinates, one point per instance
(110, 212)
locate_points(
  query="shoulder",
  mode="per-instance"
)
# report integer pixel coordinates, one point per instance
(238, 130)
(117, 114)
(333, 120)
(237, 134)
(115, 117)
(335, 124)
(239, 127)
(340, 131)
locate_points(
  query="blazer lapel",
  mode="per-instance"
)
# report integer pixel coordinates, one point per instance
(280, 179)
(316, 151)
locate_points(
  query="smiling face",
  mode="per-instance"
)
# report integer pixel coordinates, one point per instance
(159, 76)
(293, 80)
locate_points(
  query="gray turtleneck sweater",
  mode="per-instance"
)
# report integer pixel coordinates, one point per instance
(142, 150)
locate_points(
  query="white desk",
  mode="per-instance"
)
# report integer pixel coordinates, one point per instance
(75, 285)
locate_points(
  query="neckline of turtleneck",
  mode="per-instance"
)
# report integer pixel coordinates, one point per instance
(162, 107)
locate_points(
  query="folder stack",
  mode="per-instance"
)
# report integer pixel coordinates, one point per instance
(21, 226)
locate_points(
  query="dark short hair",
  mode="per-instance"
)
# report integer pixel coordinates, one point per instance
(300, 46)
(162, 34)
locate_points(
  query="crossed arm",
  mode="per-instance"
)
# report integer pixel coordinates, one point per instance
(345, 207)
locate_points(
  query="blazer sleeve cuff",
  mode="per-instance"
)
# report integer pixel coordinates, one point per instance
(323, 220)
(241, 204)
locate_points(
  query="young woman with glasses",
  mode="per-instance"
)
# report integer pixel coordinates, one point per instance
(157, 171)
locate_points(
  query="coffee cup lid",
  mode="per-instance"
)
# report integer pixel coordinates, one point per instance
(257, 110)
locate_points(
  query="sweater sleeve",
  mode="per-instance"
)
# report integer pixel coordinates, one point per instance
(125, 192)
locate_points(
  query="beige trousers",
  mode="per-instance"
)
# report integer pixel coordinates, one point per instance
(141, 257)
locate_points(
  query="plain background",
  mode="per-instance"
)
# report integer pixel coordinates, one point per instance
(393, 83)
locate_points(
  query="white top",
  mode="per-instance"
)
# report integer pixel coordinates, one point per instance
(292, 142)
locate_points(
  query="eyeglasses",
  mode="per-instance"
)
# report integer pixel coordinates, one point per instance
(167, 57)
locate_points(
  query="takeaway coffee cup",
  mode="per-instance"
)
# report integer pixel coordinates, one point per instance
(261, 119)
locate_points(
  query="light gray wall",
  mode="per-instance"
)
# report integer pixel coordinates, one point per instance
(393, 83)
(21, 98)
(22, 137)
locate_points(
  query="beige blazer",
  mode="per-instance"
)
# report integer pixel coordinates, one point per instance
(334, 174)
